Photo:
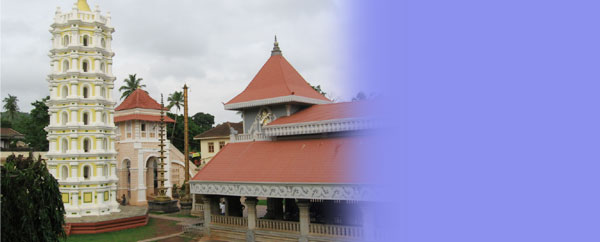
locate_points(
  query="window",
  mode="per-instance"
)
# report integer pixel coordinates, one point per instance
(85, 40)
(102, 67)
(64, 118)
(86, 145)
(103, 43)
(64, 172)
(66, 40)
(65, 91)
(64, 146)
(128, 129)
(211, 147)
(86, 118)
(105, 144)
(65, 66)
(105, 170)
(143, 129)
(85, 92)
(104, 119)
(103, 92)
(221, 144)
(86, 172)
(84, 66)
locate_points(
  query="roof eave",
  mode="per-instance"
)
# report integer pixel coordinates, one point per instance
(274, 100)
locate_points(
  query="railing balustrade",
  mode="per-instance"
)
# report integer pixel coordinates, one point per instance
(249, 137)
(336, 230)
(229, 220)
(277, 225)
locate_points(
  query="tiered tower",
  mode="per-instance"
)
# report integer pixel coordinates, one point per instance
(81, 132)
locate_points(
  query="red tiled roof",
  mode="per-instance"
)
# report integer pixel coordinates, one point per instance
(277, 78)
(221, 130)
(144, 117)
(286, 161)
(138, 99)
(321, 112)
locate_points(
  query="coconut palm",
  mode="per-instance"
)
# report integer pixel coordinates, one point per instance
(10, 106)
(131, 84)
(175, 99)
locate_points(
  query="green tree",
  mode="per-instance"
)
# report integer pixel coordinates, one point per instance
(205, 121)
(131, 84)
(32, 207)
(10, 106)
(35, 135)
(176, 100)
(198, 123)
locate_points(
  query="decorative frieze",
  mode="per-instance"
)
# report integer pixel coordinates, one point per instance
(316, 127)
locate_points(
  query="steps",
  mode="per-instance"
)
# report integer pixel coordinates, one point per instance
(107, 226)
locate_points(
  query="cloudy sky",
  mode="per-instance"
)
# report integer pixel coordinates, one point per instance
(216, 47)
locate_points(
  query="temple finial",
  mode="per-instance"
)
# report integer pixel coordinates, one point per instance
(276, 50)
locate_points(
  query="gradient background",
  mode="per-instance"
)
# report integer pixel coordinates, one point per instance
(491, 117)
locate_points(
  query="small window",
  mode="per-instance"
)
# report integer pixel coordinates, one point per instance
(85, 40)
(86, 145)
(64, 118)
(105, 144)
(102, 67)
(65, 66)
(221, 144)
(85, 66)
(64, 146)
(103, 43)
(86, 172)
(85, 92)
(143, 127)
(86, 118)
(105, 170)
(64, 172)
(66, 40)
(211, 147)
(65, 91)
(104, 119)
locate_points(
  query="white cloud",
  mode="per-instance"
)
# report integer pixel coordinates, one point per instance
(216, 47)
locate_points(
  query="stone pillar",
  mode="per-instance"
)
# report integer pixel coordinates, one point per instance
(304, 206)
(251, 209)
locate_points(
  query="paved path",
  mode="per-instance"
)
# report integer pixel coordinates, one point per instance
(181, 220)
(161, 237)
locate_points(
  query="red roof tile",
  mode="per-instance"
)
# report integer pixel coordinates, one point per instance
(321, 112)
(277, 78)
(290, 161)
(144, 117)
(138, 99)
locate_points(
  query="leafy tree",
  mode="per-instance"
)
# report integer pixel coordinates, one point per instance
(131, 84)
(31, 202)
(198, 123)
(10, 106)
(38, 119)
(175, 100)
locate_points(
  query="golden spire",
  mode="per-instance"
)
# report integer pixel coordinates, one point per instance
(82, 5)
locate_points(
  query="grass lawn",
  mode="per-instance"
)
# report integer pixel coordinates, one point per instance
(154, 228)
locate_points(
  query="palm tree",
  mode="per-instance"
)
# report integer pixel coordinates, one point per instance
(10, 106)
(131, 84)
(175, 100)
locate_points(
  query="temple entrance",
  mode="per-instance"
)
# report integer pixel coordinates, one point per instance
(151, 177)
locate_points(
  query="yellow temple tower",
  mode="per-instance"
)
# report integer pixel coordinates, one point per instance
(81, 131)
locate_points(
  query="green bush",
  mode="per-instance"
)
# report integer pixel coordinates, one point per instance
(32, 207)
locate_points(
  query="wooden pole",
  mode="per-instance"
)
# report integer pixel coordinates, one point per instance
(185, 137)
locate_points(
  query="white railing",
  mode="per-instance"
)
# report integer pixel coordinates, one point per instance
(277, 225)
(335, 230)
(229, 220)
(249, 137)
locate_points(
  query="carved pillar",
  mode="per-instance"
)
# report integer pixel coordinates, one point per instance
(208, 211)
(251, 209)
(303, 207)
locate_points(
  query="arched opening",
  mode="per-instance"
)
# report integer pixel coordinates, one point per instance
(65, 66)
(86, 118)
(102, 67)
(86, 145)
(103, 43)
(64, 173)
(103, 92)
(105, 170)
(64, 118)
(84, 66)
(105, 144)
(64, 145)
(151, 177)
(66, 40)
(65, 91)
(85, 40)
(85, 92)
(86, 172)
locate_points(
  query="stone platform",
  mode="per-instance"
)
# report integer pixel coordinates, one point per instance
(169, 206)
(129, 217)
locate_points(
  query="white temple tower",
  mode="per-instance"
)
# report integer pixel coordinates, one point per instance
(81, 132)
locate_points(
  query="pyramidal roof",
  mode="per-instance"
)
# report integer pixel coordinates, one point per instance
(138, 99)
(276, 82)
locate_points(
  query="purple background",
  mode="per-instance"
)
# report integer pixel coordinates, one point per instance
(492, 117)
